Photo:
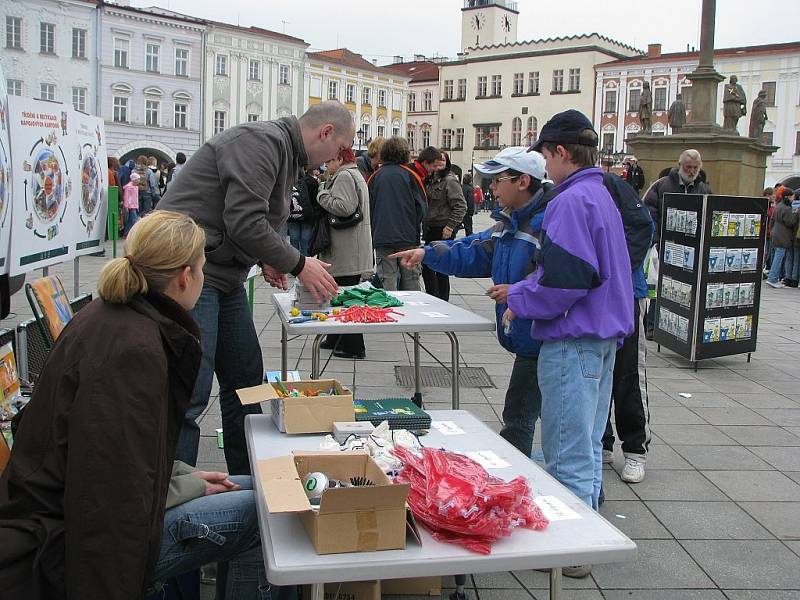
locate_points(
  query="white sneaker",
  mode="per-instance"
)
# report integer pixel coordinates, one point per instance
(777, 285)
(633, 471)
(608, 457)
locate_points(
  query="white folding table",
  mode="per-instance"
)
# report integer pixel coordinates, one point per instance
(583, 538)
(422, 313)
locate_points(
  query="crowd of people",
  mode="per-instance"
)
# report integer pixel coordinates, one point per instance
(782, 262)
(566, 254)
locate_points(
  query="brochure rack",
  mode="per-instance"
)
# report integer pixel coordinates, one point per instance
(711, 257)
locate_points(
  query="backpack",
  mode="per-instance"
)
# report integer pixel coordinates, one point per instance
(300, 208)
(144, 179)
(635, 218)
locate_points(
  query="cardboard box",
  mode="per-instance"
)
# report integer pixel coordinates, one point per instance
(414, 586)
(351, 590)
(351, 519)
(312, 414)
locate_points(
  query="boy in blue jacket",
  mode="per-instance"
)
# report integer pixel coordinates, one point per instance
(581, 302)
(504, 252)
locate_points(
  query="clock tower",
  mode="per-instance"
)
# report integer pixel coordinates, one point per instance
(488, 22)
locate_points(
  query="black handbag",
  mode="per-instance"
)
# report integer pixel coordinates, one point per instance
(349, 221)
(320, 236)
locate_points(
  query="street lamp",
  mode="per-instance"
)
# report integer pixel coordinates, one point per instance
(360, 135)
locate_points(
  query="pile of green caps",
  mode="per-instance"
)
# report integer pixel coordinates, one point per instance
(358, 296)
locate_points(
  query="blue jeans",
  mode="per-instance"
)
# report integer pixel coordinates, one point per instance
(133, 217)
(523, 405)
(300, 235)
(792, 266)
(776, 269)
(575, 377)
(222, 528)
(231, 350)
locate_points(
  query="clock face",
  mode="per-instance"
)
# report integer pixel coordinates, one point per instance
(505, 23)
(478, 21)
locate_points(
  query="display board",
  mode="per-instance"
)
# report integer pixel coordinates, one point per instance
(92, 201)
(709, 287)
(5, 177)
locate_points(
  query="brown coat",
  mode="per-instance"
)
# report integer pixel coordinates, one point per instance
(82, 499)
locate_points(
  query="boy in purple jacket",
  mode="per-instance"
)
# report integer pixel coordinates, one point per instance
(581, 301)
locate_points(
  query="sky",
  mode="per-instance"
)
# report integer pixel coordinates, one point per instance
(382, 29)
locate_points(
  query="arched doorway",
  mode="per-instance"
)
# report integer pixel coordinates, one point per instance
(792, 182)
(132, 150)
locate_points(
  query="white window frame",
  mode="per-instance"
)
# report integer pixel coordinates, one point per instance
(665, 106)
(427, 101)
(47, 38)
(533, 82)
(221, 65)
(412, 102)
(284, 75)
(483, 86)
(516, 131)
(366, 96)
(119, 107)
(497, 85)
(634, 107)
(575, 80)
(47, 91)
(462, 89)
(181, 60)
(333, 89)
(558, 80)
(531, 130)
(606, 103)
(459, 138)
(220, 121)
(79, 37)
(152, 112)
(254, 69)
(180, 112)
(447, 138)
(14, 32)
(152, 57)
(382, 98)
(426, 137)
(14, 87)
(519, 83)
(350, 92)
(79, 95)
(381, 131)
(122, 53)
(448, 89)
(411, 137)
(253, 117)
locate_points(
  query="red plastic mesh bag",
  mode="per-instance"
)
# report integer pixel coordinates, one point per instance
(454, 497)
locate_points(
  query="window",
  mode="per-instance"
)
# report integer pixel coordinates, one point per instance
(350, 93)
(283, 74)
(412, 102)
(151, 54)
(447, 138)
(253, 117)
(462, 89)
(78, 43)
(221, 65)
(381, 97)
(121, 50)
(459, 137)
(412, 138)
(519, 83)
(366, 96)
(533, 82)
(660, 98)
(181, 62)
(633, 100)
(120, 109)
(482, 86)
(47, 38)
(448, 89)
(516, 131)
(47, 91)
(532, 130)
(487, 136)
(333, 90)
(254, 69)
(610, 104)
(381, 131)
(14, 87)
(395, 130)
(181, 116)
(769, 87)
(426, 138)
(497, 85)
(574, 80)
(366, 128)
(427, 101)
(558, 80)
(219, 121)
(79, 98)
(608, 141)
(14, 32)
(151, 108)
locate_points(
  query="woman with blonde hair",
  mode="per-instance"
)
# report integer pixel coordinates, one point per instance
(91, 503)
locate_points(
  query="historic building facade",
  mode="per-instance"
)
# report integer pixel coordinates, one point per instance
(422, 102)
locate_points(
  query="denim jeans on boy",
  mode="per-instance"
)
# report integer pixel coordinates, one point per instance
(791, 268)
(575, 377)
(523, 405)
(776, 268)
(300, 235)
(221, 528)
(231, 350)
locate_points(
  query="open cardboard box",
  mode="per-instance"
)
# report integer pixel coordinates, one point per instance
(414, 586)
(351, 519)
(349, 590)
(304, 414)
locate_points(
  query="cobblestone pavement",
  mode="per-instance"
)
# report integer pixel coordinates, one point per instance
(718, 515)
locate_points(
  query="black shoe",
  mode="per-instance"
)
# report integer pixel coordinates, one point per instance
(355, 355)
(327, 344)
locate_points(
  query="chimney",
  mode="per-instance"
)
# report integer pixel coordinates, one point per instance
(375, 61)
(419, 57)
(653, 50)
(397, 59)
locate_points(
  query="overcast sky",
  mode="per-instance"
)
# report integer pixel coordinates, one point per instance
(382, 28)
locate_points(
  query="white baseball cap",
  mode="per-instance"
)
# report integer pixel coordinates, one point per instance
(517, 158)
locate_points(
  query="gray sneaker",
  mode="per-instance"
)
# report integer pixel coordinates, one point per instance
(577, 572)
(633, 471)
(608, 457)
(777, 284)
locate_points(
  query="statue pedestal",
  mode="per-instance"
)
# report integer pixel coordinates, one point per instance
(734, 165)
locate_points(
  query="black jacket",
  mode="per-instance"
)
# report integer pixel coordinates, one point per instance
(398, 204)
(635, 178)
(82, 499)
(670, 184)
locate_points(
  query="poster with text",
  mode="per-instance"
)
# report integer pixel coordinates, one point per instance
(43, 175)
(5, 177)
(88, 211)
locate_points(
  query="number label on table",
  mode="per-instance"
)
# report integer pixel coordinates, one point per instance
(554, 509)
(488, 459)
(447, 428)
(436, 315)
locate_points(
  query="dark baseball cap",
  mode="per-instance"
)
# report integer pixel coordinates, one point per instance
(565, 128)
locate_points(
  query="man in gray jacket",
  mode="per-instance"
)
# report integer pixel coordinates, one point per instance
(238, 188)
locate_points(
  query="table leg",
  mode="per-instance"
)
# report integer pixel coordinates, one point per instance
(454, 367)
(417, 382)
(315, 356)
(284, 352)
(555, 583)
(317, 591)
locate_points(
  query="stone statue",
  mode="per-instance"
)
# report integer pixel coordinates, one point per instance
(677, 114)
(758, 115)
(646, 108)
(735, 104)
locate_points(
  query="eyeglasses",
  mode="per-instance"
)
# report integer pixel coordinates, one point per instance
(496, 180)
